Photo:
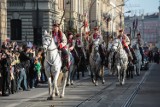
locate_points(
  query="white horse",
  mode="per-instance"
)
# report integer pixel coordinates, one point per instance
(120, 60)
(138, 55)
(53, 64)
(95, 63)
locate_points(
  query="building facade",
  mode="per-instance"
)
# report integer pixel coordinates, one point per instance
(112, 12)
(74, 14)
(27, 19)
(3, 21)
(147, 25)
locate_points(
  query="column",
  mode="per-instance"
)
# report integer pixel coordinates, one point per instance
(3, 21)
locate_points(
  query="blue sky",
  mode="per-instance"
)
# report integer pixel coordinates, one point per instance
(142, 6)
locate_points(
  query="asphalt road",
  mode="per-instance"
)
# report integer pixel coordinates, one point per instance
(85, 94)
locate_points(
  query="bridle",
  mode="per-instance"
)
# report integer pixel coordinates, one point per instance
(118, 47)
(94, 50)
(51, 40)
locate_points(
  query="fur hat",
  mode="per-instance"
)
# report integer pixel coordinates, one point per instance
(77, 35)
(56, 25)
(120, 30)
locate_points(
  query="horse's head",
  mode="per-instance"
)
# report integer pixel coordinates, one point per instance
(47, 41)
(134, 44)
(115, 45)
(96, 46)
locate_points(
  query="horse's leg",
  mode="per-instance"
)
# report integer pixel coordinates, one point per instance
(50, 89)
(92, 76)
(72, 74)
(50, 86)
(137, 67)
(102, 74)
(140, 66)
(77, 72)
(69, 75)
(119, 73)
(96, 76)
(124, 75)
(47, 69)
(64, 84)
(55, 89)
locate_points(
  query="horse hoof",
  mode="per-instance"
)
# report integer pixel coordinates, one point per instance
(123, 83)
(67, 84)
(56, 94)
(103, 81)
(72, 83)
(61, 96)
(93, 81)
(96, 84)
(50, 98)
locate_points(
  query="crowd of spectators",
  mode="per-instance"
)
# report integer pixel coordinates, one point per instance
(21, 67)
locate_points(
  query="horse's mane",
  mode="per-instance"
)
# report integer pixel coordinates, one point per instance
(46, 34)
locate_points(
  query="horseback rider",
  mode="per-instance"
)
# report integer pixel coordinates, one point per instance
(79, 46)
(71, 42)
(96, 35)
(61, 42)
(125, 42)
(71, 46)
(140, 43)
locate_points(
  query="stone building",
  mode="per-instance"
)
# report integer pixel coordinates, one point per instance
(103, 10)
(74, 15)
(3, 20)
(27, 19)
(147, 25)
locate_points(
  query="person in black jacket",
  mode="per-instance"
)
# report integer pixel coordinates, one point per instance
(25, 63)
(5, 64)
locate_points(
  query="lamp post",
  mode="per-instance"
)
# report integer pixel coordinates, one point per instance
(70, 15)
(143, 25)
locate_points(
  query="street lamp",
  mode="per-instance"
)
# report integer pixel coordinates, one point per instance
(143, 24)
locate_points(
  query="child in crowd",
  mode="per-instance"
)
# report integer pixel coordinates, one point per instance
(37, 69)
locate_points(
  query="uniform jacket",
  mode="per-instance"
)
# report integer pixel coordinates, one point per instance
(125, 40)
(60, 39)
(71, 42)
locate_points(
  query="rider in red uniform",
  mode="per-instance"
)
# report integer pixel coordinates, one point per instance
(125, 42)
(61, 42)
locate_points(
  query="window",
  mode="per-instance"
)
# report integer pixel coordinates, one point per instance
(16, 29)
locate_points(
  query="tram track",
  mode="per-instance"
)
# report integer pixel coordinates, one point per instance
(132, 97)
(97, 94)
